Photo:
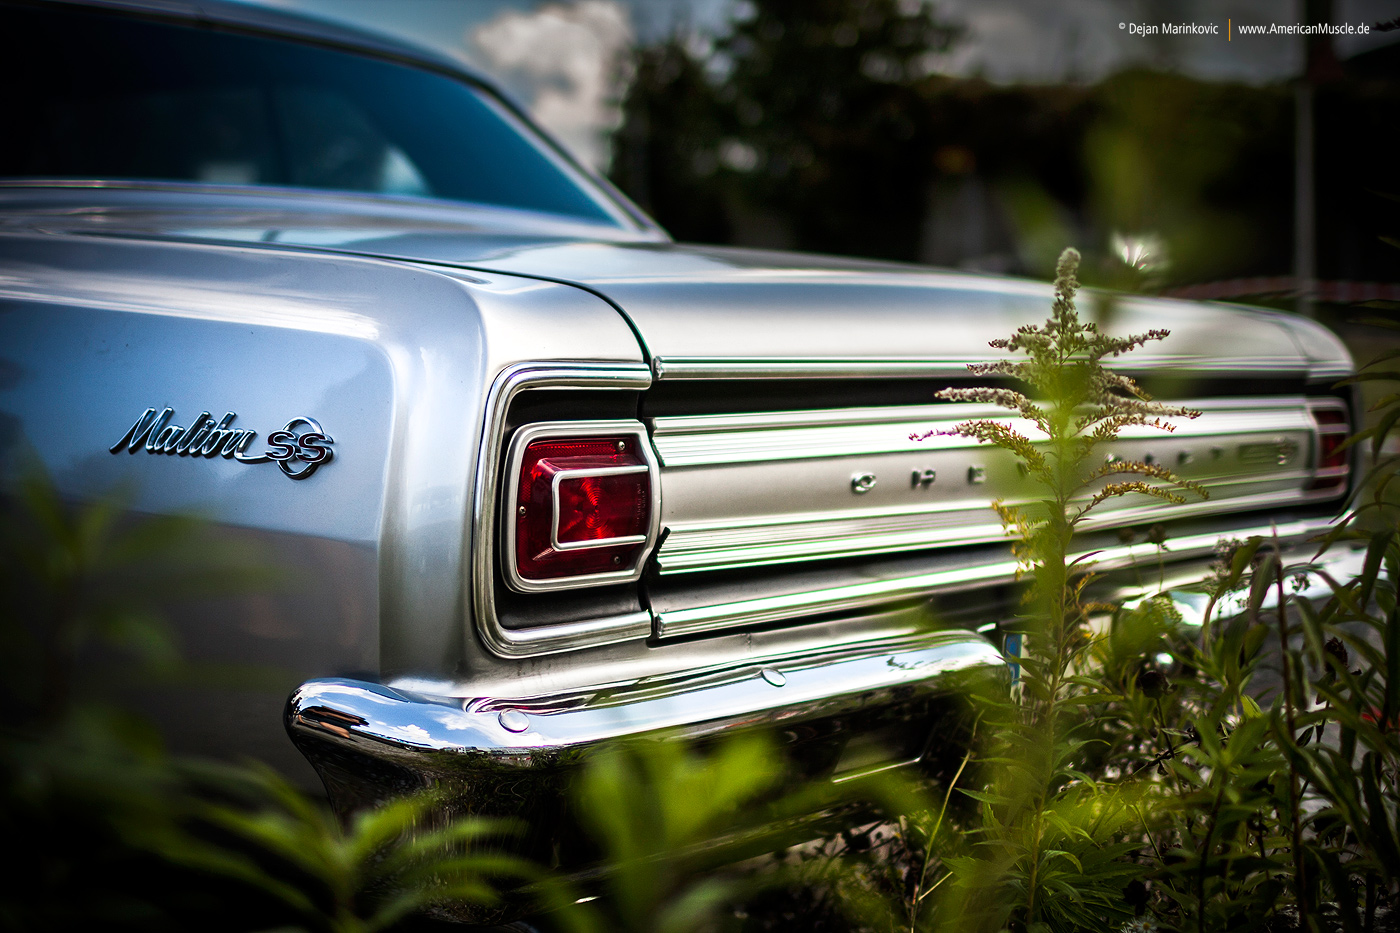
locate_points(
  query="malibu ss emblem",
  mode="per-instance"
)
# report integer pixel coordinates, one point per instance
(298, 449)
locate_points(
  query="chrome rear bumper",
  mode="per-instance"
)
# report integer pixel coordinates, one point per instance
(507, 754)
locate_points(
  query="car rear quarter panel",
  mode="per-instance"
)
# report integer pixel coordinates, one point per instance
(393, 361)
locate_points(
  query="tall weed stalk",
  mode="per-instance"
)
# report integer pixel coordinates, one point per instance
(1049, 850)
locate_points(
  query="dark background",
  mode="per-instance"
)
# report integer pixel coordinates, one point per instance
(819, 131)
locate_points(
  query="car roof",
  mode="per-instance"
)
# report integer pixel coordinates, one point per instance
(258, 19)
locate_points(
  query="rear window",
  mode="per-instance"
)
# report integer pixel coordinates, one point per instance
(94, 96)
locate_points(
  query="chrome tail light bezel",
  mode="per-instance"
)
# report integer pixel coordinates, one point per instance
(1329, 482)
(510, 491)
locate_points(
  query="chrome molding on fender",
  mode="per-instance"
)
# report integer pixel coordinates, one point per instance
(545, 639)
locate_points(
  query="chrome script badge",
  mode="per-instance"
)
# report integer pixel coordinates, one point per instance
(298, 449)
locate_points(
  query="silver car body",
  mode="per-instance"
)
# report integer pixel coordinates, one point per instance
(802, 541)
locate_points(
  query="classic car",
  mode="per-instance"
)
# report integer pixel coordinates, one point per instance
(541, 477)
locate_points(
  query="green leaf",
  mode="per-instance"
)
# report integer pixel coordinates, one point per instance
(1382, 357)
(1264, 577)
(1371, 568)
(1068, 856)
(1383, 429)
(1312, 630)
(1382, 832)
(1391, 704)
(996, 800)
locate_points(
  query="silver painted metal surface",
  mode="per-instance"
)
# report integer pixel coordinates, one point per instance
(743, 314)
(395, 361)
(510, 501)
(711, 312)
(757, 489)
(301, 218)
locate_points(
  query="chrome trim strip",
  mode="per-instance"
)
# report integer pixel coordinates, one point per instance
(760, 544)
(1330, 370)
(1343, 562)
(1334, 429)
(550, 639)
(533, 432)
(694, 440)
(766, 609)
(510, 382)
(696, 367)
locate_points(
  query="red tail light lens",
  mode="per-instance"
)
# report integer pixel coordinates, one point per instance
(1333, 463)
(582, 507)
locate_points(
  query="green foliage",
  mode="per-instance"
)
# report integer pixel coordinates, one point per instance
(1275, 751)
(659, 810)
(1048, 848)
(367, 874)
(1239, 776)
(1253, 790)
(684, 832)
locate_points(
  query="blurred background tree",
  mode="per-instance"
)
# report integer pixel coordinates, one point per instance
(827, 126)
(803, 127)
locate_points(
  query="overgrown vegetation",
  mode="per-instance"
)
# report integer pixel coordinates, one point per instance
(1048, 827)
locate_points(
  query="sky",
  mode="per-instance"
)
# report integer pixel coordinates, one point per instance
(560, 58)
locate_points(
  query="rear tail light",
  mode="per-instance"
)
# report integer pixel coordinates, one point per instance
(581, 506)
(1333, 464)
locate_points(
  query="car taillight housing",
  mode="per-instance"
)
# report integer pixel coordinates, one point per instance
(581, 507)
(1333, 465)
